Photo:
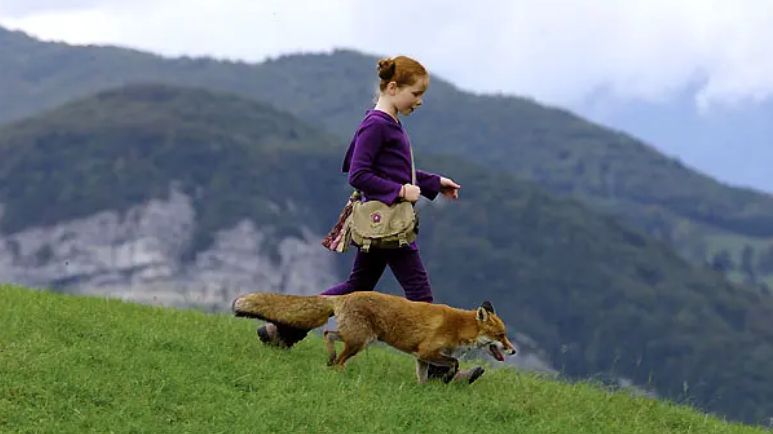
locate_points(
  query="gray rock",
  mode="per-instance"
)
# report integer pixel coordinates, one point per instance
(136, 256)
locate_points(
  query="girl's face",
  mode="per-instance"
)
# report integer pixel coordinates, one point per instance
(407, 98)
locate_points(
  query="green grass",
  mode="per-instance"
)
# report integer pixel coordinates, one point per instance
(74, 365)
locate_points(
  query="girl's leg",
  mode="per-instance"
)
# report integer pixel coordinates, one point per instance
(409, 270)
(366, 272)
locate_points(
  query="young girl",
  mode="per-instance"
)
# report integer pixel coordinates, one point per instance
(379, 165)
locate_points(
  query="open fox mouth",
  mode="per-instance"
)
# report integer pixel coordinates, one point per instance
(496, 353)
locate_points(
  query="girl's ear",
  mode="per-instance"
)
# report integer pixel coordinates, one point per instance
(391, 88)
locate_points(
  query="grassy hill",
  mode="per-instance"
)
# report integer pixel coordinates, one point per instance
(596, 295)
(73, 365)
(729, 228)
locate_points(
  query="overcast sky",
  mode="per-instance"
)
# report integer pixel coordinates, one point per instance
(556, 51)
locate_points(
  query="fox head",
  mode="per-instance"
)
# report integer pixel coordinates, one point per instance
(492, 333)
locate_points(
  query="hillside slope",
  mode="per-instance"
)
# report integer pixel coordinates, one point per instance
(73, 364)
(706, 221)
(597, 296)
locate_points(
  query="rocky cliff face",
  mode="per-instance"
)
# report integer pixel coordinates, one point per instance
(137, 256)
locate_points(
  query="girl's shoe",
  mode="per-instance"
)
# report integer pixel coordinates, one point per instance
(279, 335)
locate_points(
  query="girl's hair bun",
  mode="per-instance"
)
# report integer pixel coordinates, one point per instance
(386, 68)
(402, 70)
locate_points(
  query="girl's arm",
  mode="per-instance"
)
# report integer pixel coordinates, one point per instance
(429, 183)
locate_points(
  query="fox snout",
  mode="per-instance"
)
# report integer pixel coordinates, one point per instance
(498, 349)
(510, 351)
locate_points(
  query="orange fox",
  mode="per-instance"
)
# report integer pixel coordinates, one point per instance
(429, 332)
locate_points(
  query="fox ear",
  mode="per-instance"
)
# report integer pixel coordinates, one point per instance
(482, 314)
(487, 305)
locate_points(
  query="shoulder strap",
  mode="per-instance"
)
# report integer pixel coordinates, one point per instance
(413, 166)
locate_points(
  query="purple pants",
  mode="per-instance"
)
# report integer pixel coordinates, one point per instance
(405, 263)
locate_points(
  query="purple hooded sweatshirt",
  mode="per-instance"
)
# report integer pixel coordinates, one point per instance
(379, 160)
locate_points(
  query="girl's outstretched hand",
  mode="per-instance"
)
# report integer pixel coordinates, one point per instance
(449, 188)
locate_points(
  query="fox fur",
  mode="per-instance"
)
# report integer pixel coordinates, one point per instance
(429, 332)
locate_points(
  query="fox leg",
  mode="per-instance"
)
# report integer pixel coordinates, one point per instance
(425, 371)
(351, 348)
(438, 358)
(330, 337)
(422, 369)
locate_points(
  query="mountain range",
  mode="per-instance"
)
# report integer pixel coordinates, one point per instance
(707, 221)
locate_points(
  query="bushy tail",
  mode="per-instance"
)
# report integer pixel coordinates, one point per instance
(299, 311)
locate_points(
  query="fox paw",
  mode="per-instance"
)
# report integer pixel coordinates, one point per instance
(449, 376)
(475, 373)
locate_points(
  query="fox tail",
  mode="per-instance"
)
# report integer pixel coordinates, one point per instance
(305, 312)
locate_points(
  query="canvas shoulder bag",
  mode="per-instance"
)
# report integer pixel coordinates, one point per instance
(375, 224)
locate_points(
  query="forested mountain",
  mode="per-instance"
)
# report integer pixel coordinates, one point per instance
(706, 221)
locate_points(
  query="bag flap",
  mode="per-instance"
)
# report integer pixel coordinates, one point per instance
(374, 219)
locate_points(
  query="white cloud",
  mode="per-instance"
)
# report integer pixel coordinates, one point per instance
(25, 8)
(558, 51)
